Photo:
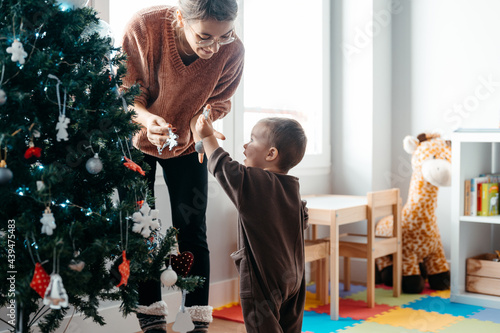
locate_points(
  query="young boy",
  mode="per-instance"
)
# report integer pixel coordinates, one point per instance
(271, 221)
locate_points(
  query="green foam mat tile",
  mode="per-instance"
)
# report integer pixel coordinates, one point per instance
(472, 325)
(384, 296)
(377, 328)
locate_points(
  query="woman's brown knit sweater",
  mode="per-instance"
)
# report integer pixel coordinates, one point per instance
(171, 89)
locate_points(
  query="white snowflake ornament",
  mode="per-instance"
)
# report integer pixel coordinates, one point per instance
(18, 53)
(171, 142)
(172, 139)
(146, 219)
(48, 222)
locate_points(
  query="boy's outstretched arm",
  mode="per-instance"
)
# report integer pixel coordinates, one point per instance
(206, 132)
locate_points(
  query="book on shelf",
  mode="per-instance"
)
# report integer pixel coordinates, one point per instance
(489, 199)
(481, 195)
(475, 197)
(467, 203)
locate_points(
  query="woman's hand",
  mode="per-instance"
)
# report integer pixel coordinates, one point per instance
(157, 130)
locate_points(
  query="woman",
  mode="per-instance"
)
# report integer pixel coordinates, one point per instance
(183, 58)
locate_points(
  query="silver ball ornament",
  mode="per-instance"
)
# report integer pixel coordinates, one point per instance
(198, 146)
(102, 28)
(73, 3)
(168, 277)
(94, 165)
(3, 97)
(5, 175)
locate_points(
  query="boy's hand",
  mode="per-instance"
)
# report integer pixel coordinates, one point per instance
(209, 136)
(204, 127)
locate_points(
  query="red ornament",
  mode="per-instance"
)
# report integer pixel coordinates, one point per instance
(182, 263)
(124, 269)
(133, 166)
(40, 280)
(33, 152)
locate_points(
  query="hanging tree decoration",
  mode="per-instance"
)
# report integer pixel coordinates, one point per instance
(41, 279)
(102, 28)
(3, 95)
(55, 295)
(75, 264)
(146, 220)
(128, 161)
(63, 121)
(169, 276)
(72, 4)
(171, 142)
(17, 51)
(32, 153)
(94, 164)
(48, 222)
(181, 263)
(183, 322)
(6, 174)
(198, 146)
(124, 267)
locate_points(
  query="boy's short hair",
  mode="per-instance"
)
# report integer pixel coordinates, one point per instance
(288, 136)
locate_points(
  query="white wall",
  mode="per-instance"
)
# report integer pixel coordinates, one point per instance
(361, 97)
(446, 74)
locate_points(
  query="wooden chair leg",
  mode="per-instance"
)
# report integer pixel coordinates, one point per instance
(315, 266)
(324, 281)
(397, 274)
(370, 282)
(318, 279)
(347, 273)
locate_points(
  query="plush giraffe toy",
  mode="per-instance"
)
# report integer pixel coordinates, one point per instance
(422, 246)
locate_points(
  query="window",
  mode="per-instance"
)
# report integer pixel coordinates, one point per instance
(287, 68)
(287, 71)
(120, 13)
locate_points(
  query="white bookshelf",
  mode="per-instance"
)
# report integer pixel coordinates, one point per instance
(473, 152)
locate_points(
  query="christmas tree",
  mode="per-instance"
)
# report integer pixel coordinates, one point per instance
(65, 128)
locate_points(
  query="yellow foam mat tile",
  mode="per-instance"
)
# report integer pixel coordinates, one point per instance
(441, 293)
(229, 305)
(415, 319)
(312, 302)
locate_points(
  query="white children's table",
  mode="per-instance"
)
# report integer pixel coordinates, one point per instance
(334, 211)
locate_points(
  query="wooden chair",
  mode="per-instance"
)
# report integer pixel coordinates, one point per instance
(370, 247)
(317, 251)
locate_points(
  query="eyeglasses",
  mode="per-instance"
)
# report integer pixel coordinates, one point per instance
(204, 42)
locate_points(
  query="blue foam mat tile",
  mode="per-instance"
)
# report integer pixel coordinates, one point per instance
(321, 323)
(354, 289)
(487, 314)
(443, 306)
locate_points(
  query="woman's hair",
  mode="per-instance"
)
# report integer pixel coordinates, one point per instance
(288, 136)
(220, 10)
